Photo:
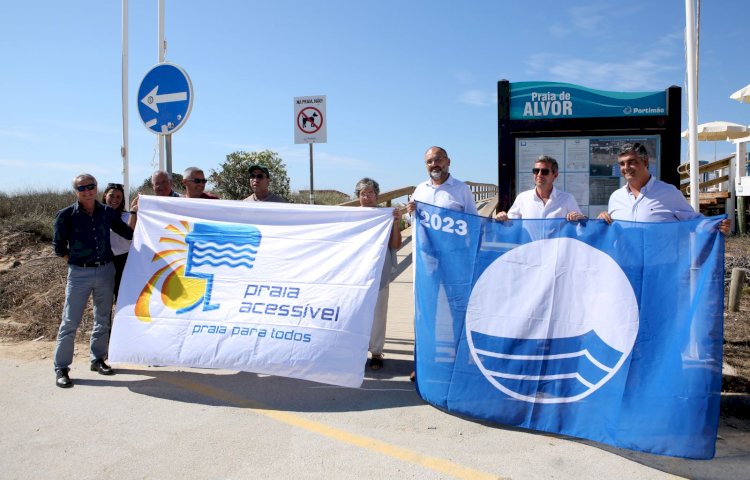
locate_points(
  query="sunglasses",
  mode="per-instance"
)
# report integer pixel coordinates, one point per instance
(118, 186)
(258, 176)
(83, 188)
(197, 180)
(537, 171)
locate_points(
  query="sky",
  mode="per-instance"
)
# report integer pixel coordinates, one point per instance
(399, 76)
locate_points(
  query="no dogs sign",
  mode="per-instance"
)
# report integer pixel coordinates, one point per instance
(310, 119)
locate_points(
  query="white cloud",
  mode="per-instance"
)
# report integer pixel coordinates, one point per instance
(245, 147)
(592, 20)
(19, 134)
(64, 166)
(93, 128)
(480, 98)
(647, 68)
(302, 156)
(463, 77)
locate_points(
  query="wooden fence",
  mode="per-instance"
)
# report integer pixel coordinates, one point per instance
(484, 193)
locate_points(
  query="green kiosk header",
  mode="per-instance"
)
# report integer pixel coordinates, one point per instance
(582, 129)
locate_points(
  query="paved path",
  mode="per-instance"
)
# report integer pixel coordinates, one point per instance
(171, 423)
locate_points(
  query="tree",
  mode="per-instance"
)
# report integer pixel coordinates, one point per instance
(232, 179)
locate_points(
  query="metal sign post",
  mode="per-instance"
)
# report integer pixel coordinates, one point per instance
(310, 126)
(312, 189)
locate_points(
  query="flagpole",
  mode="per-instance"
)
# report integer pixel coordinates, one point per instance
(162, 51)
(125, 146)
(692, 100)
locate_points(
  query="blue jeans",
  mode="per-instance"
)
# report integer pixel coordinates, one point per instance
(98, 282)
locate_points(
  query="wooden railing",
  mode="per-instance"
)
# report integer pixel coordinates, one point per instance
(384, 197)
(483, 193)
(706, 198)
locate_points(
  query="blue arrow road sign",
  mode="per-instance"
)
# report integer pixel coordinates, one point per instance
(165, 98)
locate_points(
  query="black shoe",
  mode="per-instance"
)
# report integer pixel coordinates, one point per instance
(63, 380)
(101, 367)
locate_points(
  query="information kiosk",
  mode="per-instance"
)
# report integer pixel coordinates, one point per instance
(582, 129)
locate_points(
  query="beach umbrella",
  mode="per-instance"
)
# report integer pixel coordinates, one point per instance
(715, 131)
(742, 95)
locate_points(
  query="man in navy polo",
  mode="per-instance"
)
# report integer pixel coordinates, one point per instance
(82, 233)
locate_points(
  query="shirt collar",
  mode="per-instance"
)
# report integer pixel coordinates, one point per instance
(448, 181)
(552, 194)
(645, 188)
(77, 206)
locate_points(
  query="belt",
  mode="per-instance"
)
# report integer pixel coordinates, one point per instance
(90, 264)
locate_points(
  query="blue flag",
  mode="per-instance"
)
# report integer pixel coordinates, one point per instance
(607, 332)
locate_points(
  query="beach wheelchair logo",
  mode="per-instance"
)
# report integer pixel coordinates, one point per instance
(551, 321)
(196, 256)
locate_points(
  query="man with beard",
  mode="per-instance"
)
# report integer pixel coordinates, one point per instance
(441, 189)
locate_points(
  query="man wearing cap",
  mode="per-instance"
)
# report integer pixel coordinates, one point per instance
(260, 179)
(82, 238)
(194, 181)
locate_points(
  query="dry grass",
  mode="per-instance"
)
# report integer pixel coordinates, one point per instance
(737, 324)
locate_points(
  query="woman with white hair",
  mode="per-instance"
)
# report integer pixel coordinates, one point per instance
(367, 191)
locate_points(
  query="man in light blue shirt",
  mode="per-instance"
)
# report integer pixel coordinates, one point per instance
(644, 198)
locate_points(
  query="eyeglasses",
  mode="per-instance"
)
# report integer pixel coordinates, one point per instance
(197, 180)
(258, 176)
(368, 194)
(537, 171)
(118, 186)
(83, 188)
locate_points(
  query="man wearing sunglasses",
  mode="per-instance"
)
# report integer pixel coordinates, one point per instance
(82, 238)
(544, 200)
(644, 198)
(260, 180)
(195, 183)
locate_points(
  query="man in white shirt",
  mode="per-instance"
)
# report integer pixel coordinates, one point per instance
(544, 200)
(644, 198)
(441, 189)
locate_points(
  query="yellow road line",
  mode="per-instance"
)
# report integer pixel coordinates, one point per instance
(426, 461)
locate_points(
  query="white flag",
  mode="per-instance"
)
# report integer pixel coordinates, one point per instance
(270, 288)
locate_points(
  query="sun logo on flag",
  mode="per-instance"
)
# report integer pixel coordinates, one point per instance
(177, 292)
(193, 257)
